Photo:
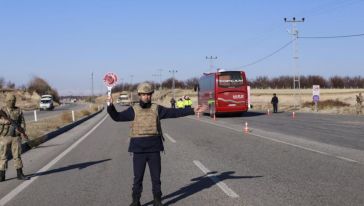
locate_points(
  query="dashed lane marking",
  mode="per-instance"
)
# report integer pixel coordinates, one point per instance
(169, 137)
(229, 192)
(283, 142)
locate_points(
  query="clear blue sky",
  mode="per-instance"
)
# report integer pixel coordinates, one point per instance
(64, 41)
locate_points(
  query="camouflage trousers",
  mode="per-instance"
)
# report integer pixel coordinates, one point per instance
(358, 108)
(15, 144)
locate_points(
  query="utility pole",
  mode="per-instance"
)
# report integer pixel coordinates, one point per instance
(122, 84)
(131, 82)
(160, 78)
(296, 75)
(155, 82)
(211, 58)
(173, 85)
(92, 86)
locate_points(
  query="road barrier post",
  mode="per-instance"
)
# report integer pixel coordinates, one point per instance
(293, 115)
(268, 112)
(246, 129)
(73, 115)
(35, 116)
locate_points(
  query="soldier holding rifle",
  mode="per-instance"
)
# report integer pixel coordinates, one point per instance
(12, 127)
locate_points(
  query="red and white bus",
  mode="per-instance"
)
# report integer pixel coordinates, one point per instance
(224, 92)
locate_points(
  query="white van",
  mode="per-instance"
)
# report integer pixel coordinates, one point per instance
(46, 102)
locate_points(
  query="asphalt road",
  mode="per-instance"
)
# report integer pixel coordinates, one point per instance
(29, 115)
(309, 160)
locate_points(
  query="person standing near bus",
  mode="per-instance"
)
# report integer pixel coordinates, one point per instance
(146, 138)
(187, 102)
(274, 102)
(180, 103)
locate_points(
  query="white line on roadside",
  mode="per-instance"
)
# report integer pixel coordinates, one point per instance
(169, 137)
(283, 142)
(229, 192)
(347, 159)
(26, 183)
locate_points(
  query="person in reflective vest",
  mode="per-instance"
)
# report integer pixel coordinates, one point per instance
(187, 102)
(146, 138)
(180, 103)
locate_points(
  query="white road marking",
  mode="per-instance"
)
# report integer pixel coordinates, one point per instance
(169, 137)
(283, 142)
(229, 192)
(347, 159)
(26, 183)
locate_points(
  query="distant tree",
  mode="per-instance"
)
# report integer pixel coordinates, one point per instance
(22, 87)
(10, 85)
(168, 83)
(336, 82)
(2, 82)
(317, 80)
(42, 87)
(190, 83)
(261, 82)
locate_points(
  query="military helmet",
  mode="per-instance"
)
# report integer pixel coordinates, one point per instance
(10, 98)
(145, 88)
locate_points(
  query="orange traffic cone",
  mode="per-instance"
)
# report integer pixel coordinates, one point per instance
(246, 129)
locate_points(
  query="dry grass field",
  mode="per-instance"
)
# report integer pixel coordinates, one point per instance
(261, 99)
(36, 130)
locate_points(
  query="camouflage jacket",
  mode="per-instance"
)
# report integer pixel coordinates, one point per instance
(16, 115)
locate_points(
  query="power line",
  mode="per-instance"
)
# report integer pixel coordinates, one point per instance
(269, 55)
(330, 37)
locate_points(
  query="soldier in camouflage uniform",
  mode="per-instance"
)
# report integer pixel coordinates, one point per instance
(10, 138)
(146, 138)
(359, 102)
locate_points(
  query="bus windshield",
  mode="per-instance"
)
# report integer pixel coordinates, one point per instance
(230, 79)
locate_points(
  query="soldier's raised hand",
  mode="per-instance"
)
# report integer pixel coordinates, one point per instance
(110, 99)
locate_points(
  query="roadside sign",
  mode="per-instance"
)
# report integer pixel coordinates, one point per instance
(315, 90)
(316, 95)
(110, 79)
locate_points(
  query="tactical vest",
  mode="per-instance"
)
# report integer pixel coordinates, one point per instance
(9, 130)
(146, 122)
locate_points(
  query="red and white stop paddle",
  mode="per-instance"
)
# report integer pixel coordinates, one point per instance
(110, 80)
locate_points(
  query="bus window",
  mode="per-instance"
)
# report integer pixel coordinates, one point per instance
(230, 80)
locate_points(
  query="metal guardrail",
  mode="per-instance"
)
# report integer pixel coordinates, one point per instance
(55, 133)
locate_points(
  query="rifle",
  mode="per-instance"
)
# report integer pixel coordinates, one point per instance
(14, 124)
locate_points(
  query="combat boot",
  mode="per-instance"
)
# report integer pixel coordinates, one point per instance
(157, 200)
(2, 175)
(136, 200)
(20, 175)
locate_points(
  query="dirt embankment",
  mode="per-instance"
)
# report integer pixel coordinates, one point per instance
(24, 100)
